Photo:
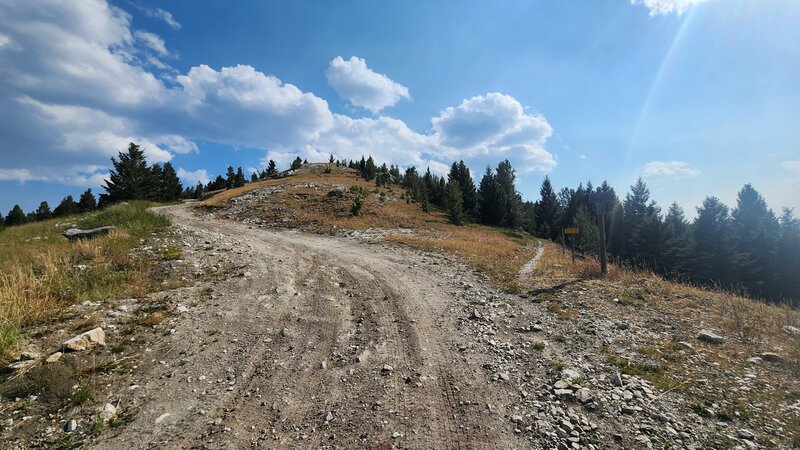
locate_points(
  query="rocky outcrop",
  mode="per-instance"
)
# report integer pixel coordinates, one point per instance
(76, 233)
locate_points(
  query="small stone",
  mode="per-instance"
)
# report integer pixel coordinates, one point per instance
(616, 379)
(503, 376)
(745, 434)
(87, 340)
(396, 435)
(329, 417)
(475, 315)
(29, 354)
(387, 369)
(710, 337)
(323, 365)
(108, 412)
(686, 345)
(627, 395)
(181, 309)
(516, 419)
(584, 395)
(70, 426)
(755, 360)
(569, 374)
(561, 384)
(22, 365)
(771, 357)
(563, 392)
(54, 357)
(536, 328)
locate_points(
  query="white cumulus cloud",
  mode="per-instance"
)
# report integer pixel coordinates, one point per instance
(660, 7)
(673, 169)
(166, 16)
(192, 177)
(356, 82)
(79, 93)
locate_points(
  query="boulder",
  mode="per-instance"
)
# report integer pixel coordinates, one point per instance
(76, 233)
(87, 340)
(53, 358)
(107, 412)
(569, 374)
(710, 337)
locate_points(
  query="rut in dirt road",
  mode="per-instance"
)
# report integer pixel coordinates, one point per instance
(324, 342)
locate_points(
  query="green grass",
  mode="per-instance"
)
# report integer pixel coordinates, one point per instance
(41, 272)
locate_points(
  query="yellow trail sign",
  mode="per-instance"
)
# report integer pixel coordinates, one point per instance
(573, 230)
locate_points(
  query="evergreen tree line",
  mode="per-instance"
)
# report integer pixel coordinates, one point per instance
(747, 249)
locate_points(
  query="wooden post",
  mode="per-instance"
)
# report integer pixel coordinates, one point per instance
(572, 240)
(603, 256)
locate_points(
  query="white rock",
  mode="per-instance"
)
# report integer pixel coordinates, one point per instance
(108, 412)
(87, 340)
(70, 426)
(710, 337)
(569, 374)
(22, 365)
(54, 357)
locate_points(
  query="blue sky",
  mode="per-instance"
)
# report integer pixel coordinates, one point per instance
(698, 96)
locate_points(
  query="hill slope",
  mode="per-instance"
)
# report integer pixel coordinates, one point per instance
(307, 327)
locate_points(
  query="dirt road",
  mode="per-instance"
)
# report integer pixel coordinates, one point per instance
(322, 342)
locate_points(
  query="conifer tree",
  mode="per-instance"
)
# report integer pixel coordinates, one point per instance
(253, 177)
(491, 202)
(170, 187)
(712, 254)
(67, 207)
(239, 180)
(87, 202)
(460, 172)
(230, 178)
(547, 212)
(454, 203)
(43, 212)
(755, 232)
(272, 169)
(370, 170)
(15, 217)
(296, 164)
(587, 239)
(130, 179)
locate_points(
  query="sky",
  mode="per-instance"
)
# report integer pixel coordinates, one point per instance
(698, 97)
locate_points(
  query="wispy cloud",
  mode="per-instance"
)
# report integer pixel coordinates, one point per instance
(661, 7)
(670, 169)
(166, 16)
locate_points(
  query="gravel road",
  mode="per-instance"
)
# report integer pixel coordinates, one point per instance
(322, 342)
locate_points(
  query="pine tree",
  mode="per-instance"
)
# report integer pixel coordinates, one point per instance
(755, 232)
(296, 164)
(506, 178)
(491, 202)
(460, 172)
(331, 159)
(677, 243)
(67, 207)
(711, 259)
(787, 259)
(199, 190)
(370, 170)
(87, 202)
(43, 212)
(253, 177)
(130, 179)
(239, 180)
(272, 169)
(230, 178)
(587, 239)
(454, 203)
(15, 217)
(547, 212)
(2, 222)
(171, 188)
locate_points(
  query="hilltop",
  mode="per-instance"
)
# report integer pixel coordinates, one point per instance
(300, 324)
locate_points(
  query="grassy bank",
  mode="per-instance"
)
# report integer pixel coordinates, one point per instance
(41, 272)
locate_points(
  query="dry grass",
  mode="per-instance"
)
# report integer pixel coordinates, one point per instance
(500, 253)
(487, 249)
(41, 272)
(752, 326)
